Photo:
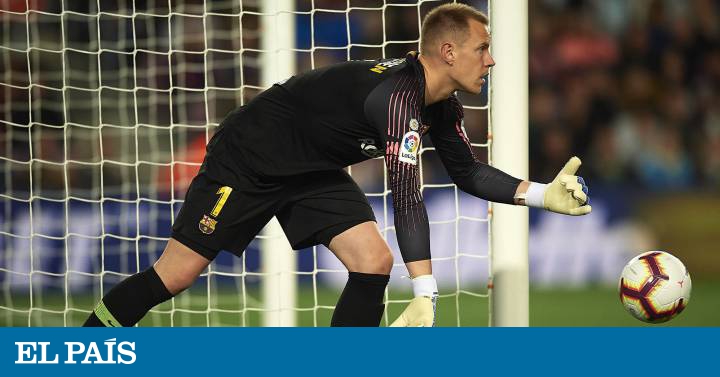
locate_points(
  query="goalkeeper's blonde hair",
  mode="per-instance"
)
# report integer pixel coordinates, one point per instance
(450, 20)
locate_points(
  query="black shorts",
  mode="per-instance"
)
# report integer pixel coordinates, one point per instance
(312, 208)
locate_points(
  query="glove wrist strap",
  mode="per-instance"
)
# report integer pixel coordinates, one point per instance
(425, 285)
(535, 195)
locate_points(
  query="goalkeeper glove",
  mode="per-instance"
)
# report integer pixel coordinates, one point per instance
(421, 310)
(566, 194)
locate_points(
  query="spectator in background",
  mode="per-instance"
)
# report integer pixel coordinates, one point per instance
(637, 83)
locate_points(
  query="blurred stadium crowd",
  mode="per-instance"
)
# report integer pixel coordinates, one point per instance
(633, 86)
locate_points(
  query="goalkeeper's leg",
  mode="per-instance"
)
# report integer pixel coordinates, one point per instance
(368, 259)
(129, 301)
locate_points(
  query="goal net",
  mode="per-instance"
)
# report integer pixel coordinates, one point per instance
(105, 109)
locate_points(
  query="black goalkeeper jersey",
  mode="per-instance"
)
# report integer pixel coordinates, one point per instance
(333, 117)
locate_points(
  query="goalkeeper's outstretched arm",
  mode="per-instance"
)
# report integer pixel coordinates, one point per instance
(566, 194)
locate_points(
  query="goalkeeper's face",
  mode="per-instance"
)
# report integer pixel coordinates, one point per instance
(473, 59)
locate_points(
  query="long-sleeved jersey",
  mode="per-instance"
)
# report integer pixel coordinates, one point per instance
(336, 116)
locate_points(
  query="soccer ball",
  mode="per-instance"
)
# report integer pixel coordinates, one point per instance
(655, 287)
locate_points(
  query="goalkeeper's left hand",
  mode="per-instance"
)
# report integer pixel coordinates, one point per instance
(566, 194)
(421, 310)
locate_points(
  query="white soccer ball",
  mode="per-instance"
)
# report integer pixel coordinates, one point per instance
(655, 287)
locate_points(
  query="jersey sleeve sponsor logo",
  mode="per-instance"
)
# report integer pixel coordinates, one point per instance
(409, 147)
(368, 148)
(382, 66)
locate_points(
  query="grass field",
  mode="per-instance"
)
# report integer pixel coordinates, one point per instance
(595, 306)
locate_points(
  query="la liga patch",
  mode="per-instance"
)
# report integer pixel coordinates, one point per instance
(409, 147)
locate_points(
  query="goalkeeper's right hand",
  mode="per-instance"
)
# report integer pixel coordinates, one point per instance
(566, 194)
(419, 313)
(421, 310)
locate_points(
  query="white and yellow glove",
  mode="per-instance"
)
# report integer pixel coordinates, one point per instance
(566, 194)
(421, 310)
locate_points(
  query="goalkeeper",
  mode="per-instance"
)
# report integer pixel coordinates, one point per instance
(283, 155)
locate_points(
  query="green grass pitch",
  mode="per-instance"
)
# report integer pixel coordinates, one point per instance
(592, 306)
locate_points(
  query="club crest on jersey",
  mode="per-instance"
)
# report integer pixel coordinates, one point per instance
(207, 224)
(409, 147)
(414, 124)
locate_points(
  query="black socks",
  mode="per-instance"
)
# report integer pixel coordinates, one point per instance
(361, 302)
(129, 301)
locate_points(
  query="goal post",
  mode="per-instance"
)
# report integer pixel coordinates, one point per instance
(509, 152)
(278, 260)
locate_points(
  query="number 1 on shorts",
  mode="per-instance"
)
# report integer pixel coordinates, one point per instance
(224, 193)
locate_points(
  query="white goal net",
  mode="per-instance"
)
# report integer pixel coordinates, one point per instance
(105, 109)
